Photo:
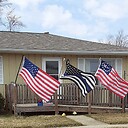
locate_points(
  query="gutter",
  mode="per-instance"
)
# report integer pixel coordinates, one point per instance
(59, 52)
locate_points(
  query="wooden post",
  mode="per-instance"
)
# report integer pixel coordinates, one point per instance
(123, 100)
(89, 102)
(123, 105)
(6, 97)
(78, 98)
(10, 92)
(110, 99)
(14, 98)
(56, 103)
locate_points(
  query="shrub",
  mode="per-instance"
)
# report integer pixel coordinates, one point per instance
(2, 101)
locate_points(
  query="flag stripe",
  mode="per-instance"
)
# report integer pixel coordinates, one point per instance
(109, 84)
(38, 81)
(117, 83)
(45, 85)
(52, 84)
(78, 82)
(90, 80)
(49, 78)
(110, 88)
(29, 82)
(119, 80)
(85, 81)
(111, 80)
(33, 82)
(35, 91)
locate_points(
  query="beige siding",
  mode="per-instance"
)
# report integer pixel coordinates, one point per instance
(11, 63)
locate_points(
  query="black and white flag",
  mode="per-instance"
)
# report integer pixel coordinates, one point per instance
(85, 81)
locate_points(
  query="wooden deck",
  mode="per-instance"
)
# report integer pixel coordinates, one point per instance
(68, 98)
(29, 108)
(25, 108)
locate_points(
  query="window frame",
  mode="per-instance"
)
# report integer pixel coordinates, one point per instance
(52, 59)
(116, 63)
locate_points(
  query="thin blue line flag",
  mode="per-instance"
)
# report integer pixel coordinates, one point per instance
(85, 81)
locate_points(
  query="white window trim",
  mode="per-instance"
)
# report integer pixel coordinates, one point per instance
(51, 59)
(121, 73)
(59, 59)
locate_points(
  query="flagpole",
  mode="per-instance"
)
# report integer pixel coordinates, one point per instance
(55, 95)
(99, 60)
(15, 89)
(61, 68)
(19, 69)
(123, 100)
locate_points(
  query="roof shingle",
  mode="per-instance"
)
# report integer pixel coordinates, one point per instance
(47, 42)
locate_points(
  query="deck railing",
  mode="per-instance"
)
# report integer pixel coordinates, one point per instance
(68, 93)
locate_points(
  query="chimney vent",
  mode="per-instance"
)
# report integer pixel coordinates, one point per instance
(46, 32)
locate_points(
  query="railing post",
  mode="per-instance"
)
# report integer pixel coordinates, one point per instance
(6, 98)
(14, 98)
(89, 102)
(10, 93)
(78, 96)
(110, 99)
(123, 105)
(56, 103)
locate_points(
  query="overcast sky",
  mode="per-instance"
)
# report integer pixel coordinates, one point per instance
(83, 19)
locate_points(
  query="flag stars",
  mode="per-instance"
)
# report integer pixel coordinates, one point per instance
(72, 70)
(106, 67)
(33, 69)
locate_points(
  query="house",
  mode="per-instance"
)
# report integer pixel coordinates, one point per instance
(49, 51)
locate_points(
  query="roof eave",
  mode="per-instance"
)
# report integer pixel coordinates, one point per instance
(24, 51)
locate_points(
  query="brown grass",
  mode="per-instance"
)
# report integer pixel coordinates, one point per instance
(40, 121)
(111, 118)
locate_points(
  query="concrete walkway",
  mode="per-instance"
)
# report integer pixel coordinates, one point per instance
(89, 122)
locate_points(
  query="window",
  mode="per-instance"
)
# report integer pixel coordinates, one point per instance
(52, 66)
(1, 70)
(91, 64)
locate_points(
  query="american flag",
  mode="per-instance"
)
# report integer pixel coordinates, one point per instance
(38, 81)
(85, 81)
(108, 77)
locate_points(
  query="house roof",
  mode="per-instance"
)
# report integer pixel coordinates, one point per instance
(25, 42)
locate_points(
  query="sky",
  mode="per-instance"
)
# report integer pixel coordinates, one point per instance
(91, 20)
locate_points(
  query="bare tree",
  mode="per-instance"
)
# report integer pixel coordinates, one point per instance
(120, 39)
(4, 3)
(12, 21)
(9, 20)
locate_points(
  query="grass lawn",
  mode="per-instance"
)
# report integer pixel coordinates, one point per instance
(50, 121)
(40, 121)
(111, 118)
